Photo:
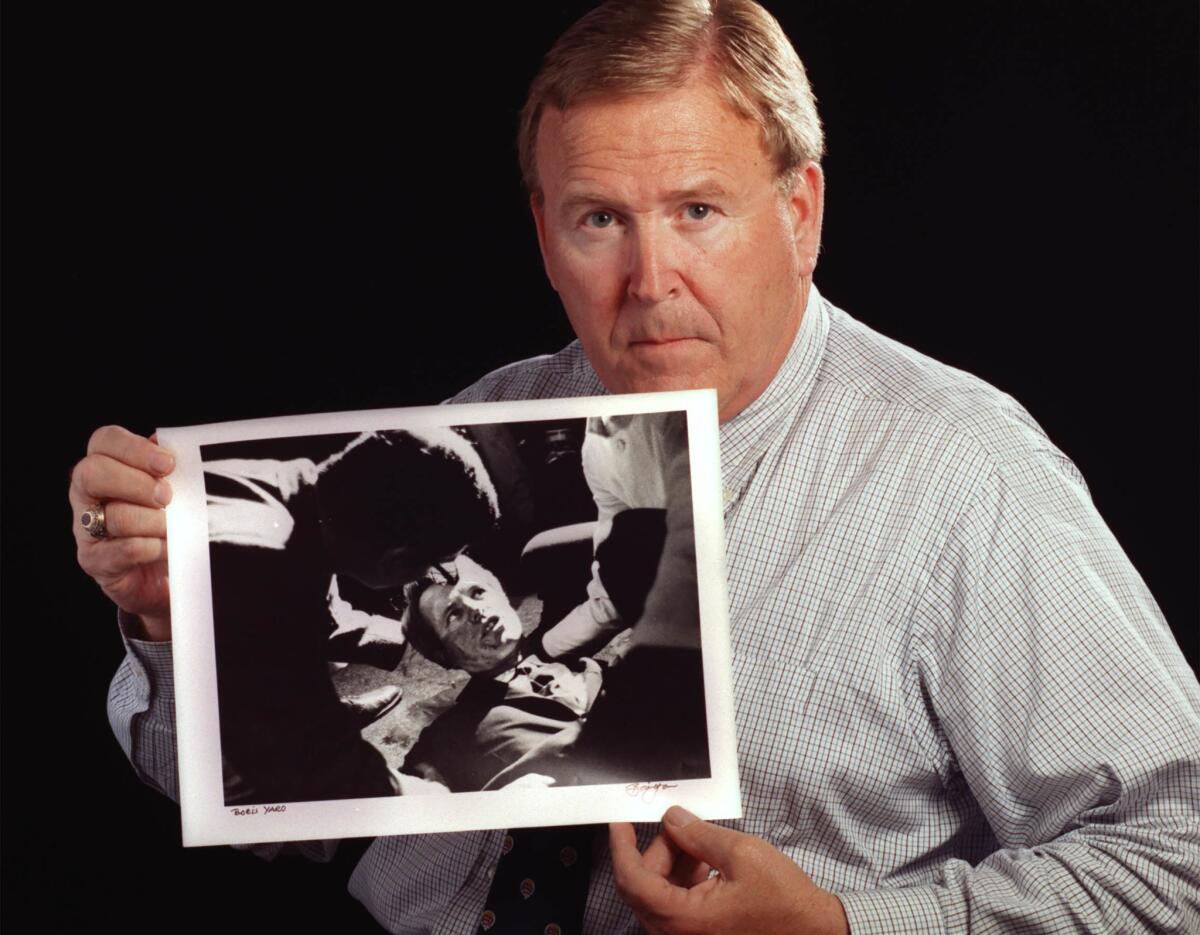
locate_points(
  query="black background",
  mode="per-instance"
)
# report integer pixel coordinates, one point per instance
(215, 216)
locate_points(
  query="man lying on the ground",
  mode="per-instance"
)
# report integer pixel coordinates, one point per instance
(511, 704)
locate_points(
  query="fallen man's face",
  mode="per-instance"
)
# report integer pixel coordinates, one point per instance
(473, 618)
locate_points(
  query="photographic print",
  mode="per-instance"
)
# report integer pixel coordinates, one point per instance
(450, 618)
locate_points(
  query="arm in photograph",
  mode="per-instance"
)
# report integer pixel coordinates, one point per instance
(671, 617)
(554, 761)
(362, 637)
(655, 466)
(583, 623)
(596, 614)
(421, 770)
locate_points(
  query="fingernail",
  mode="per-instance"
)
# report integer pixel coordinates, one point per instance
(678, 817)
(162, 492)
(162, 462)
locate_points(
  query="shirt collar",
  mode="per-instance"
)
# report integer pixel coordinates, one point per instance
(745, 437)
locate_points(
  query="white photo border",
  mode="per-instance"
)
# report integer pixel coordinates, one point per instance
(207, 820)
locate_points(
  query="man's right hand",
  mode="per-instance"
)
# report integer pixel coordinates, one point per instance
(125, 474)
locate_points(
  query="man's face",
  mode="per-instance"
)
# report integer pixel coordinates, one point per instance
(664, 231)
(476, 625)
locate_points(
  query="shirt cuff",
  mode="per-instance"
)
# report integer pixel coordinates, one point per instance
(141, 709)
(887, 911)
(579, 627)
(154, 657)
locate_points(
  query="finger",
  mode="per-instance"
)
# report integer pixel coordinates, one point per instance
(647, 892)
(144, 591)
(689, 871)
(665, 858)
(107, 559)
(130, 520)
(723, 848)
(659, 857)
(622, 844)
(141, 453)
(98, 478)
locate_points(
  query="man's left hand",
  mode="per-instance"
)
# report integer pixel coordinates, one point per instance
(756, 888)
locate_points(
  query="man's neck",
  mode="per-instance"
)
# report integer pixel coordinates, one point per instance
(503, 667)
(761, 378)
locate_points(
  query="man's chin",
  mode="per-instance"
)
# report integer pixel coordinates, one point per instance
(675, 355)
(689, 371)
(490, 663)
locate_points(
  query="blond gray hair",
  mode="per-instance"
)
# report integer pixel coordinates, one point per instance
(628, 47)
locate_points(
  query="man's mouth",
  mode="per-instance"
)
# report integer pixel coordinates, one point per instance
(665, 348)
(493, 632)
(658, 342)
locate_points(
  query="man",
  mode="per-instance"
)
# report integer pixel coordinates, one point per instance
(957, 704)
(510, 705)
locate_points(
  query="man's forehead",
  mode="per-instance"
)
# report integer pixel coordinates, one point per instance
(474, 574)
(432, 601)
(687, 136)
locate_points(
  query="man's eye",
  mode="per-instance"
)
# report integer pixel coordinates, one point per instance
(599, 219)
(698, 212)
(454, 614)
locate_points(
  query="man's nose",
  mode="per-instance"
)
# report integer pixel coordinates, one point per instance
(653, 272)
(483, 620)
(480, 613)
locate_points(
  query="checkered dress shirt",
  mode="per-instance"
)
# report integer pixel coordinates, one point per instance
(958, 706)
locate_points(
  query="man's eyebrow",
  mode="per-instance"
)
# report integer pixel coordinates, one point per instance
(704, 191)
(586, 198)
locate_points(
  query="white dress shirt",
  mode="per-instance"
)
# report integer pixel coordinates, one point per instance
(957, 704)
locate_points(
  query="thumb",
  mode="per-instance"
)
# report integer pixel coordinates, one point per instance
(712, 844)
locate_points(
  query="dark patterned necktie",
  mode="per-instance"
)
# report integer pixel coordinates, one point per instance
(541, 882)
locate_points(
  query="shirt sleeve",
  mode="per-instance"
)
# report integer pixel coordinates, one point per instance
(360, 636)
(1063, 703)
(583, 623)
(672, 611)
(141, 710)
(596, 614)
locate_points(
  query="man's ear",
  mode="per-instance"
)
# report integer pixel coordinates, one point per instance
(807, 202)
(538, 207)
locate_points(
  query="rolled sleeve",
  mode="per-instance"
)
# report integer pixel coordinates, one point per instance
(885, 912)
(141, 710)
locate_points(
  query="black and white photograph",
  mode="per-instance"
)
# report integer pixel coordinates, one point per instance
(431, 604)
(965, 692)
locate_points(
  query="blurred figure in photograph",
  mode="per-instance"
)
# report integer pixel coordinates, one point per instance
(381, 512)
(639, 473)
